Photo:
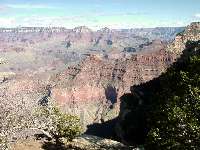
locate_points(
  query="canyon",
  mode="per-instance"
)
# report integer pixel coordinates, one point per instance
(84, 72)
(93, 88)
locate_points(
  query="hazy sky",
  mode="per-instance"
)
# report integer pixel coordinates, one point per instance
(99, 13)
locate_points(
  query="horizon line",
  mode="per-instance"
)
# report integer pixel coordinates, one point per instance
(63, 27)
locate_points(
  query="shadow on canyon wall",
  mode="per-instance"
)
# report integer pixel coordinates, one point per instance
(111, 94)
(131, 127)
(104, 130)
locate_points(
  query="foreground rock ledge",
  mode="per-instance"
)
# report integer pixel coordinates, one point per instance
(84, 142)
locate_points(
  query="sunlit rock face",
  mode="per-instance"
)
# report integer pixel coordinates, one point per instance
(92, 89)
(191, 33)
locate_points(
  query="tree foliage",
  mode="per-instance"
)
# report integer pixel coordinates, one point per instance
(165, 113)
(3, 143)
(175, 117)
(57, 124)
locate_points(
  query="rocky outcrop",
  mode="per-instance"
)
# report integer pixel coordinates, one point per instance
(191, 33)
(97, 143)
(84, 142)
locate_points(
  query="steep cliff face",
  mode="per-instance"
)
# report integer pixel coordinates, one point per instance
(132, 124)
(191, 33)
(92, 89)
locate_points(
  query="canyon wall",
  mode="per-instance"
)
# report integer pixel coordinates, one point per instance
(92, 89)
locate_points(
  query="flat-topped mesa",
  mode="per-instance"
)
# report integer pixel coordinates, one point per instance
(81, 29)
(33, 29)
(105, 30)
(191, 33)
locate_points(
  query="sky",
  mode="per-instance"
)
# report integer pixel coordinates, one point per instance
(97, 14)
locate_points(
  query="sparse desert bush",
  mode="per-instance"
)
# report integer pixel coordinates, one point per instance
(3, 143)
(22, 118)
(57, 124)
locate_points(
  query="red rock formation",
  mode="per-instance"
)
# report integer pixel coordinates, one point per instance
(92, 88)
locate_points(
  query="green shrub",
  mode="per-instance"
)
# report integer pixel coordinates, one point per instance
(3, 143)
(58, 124)
(175, 118)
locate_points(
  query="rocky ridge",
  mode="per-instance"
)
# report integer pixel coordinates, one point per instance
(72, 39)
(191, 33)
(50, 50)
